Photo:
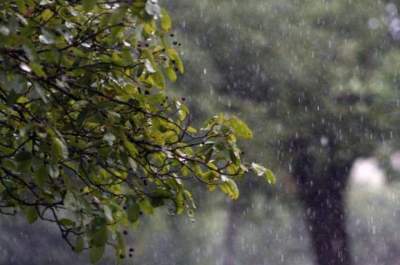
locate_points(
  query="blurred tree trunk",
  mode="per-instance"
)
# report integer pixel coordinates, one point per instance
(324, 205)
(326, 223)
(231, 231)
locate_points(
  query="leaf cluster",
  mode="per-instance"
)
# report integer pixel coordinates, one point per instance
(90, 140)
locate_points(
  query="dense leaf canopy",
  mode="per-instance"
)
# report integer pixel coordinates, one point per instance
(89, 138)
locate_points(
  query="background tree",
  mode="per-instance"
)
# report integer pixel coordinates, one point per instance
(328, 73)
(90, 140)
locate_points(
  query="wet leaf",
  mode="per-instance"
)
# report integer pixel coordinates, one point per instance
(96, 253)
(165, 21)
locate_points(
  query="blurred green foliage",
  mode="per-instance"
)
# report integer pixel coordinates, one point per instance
(324, 72)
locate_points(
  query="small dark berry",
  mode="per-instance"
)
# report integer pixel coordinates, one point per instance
(130, 255)
(179, 44)
(183, 98)
(147, 45)
(175, 43)
(176, 69)
(131, 250)
(172, 35)
(125, 207)
(140, 213)
(125, 232)
(146, 92)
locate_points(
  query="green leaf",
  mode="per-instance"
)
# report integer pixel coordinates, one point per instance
(30, 214)
(88, 4)
(37, 69)
(108, 214)
(79, 244)
(46, 14)
(23, 156)
(54, 171)
(131, 148)
(96, 253)
(79, 105)
(41, 175)
(158, 79)
(262, 171)
(189, 198)
(270, 177)
(166, 23)
(146, 207)
(59, 149)
(120, 247)
(180, 202)
(133, 212)
(40, 92)
(24, 160)
(149, 28)
(171, 74)
(100, 236)
(176, 59)
(239, 128)
(21, 6)
(66, 222)
(229, 187)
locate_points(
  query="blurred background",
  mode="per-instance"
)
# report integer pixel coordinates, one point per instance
(318, 81)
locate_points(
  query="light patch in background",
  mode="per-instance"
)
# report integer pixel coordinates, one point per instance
(367, 174)
(395, 161)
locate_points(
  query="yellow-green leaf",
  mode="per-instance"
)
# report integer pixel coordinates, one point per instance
(166, 23)
(270, 177)
(37, 69)
(171, 74)
(59, 149)
(131, 148)
(146, 207)
(176, 59)
(239, 128)
(46, 14)
(229, 187)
